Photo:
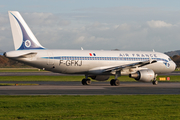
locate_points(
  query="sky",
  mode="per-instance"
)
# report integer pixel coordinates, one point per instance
(139, 25)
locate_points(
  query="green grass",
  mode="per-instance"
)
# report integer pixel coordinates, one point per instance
(71, 78)
(17, 84)
(110, 107)
(58, 78)
(177, 69)
(41, 78)
(172, 78)
(21, 70)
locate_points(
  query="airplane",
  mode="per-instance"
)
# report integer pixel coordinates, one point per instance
(99, 65)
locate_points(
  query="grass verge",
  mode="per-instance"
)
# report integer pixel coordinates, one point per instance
(41, 78)
(71, 78)
(17, 84)
(21, 70)
(109, 107)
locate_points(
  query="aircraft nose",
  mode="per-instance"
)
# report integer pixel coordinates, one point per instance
(173, 66)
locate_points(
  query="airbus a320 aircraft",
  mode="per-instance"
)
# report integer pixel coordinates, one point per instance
(98, 65)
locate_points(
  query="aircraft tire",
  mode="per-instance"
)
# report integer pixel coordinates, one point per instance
(83, 81)
(114, 82)
(86, 81)
(154, 82)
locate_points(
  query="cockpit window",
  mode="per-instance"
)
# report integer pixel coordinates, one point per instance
(169, 59)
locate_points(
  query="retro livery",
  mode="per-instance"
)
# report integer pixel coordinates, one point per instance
(97, 65)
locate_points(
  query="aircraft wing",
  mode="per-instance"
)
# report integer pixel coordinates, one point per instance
(132, 65)
(106, 69)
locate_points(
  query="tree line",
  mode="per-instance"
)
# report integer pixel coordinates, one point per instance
(8, 63)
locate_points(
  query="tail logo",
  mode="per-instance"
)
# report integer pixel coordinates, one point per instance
(27, 43)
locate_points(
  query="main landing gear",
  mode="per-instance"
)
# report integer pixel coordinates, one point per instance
(115, 82)
(86, 81)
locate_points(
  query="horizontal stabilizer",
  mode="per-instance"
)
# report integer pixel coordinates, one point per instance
(28, 55)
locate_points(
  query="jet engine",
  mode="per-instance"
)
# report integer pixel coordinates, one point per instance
(146, 75)
(100, 77)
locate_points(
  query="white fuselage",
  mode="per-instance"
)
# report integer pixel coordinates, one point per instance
(91, 61)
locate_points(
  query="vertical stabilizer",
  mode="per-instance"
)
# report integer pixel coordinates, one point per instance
(22, 35)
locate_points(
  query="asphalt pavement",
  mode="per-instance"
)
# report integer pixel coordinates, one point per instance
(96, 88)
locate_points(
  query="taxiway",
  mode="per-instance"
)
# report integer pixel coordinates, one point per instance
(96, 88)
(76, 88)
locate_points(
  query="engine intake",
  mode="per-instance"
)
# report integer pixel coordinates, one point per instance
(146, 75)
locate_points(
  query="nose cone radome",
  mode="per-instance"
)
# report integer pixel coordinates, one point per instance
(173, 66)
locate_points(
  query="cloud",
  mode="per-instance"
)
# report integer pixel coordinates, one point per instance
(158, 24)
(45, 19)
(80, 39)
(2, 6)
(124, 28)
(3, 19)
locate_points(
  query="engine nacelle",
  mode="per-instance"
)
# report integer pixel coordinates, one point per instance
(100, 77)
(146, 75)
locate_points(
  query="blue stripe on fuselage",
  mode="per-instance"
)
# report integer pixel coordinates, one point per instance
(104, 58)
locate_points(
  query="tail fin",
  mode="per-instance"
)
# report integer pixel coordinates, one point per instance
(22, 35)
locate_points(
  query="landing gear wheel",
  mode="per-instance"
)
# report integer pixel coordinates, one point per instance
(83, 81)
(114, 82)
(155, 82)
(86, 81)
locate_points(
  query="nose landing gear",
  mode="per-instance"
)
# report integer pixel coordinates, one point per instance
(154, 82)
